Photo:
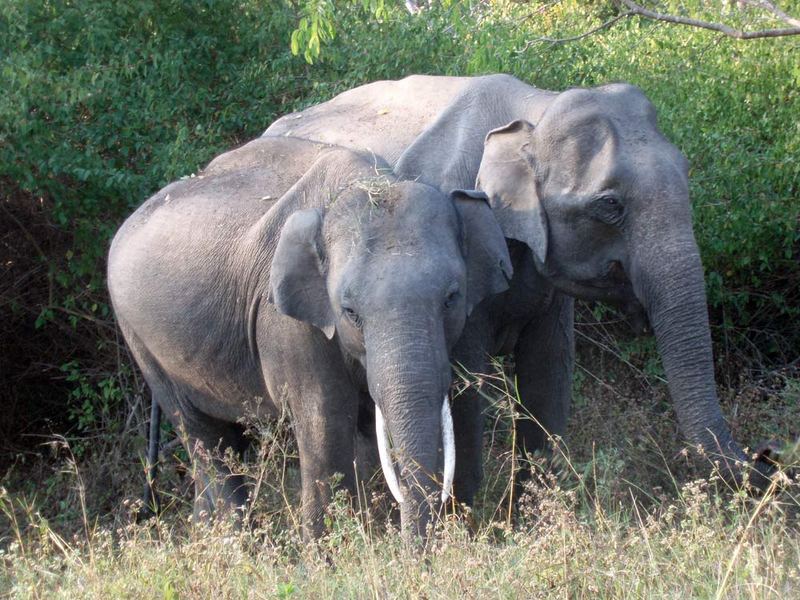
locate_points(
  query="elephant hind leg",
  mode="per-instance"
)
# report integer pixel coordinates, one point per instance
(205, 438)
(213, 446)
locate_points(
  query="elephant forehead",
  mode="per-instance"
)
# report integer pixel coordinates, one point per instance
(383, 274)
(582, 127)
(591, 151)
(588, 160)
(403, 214)
(403, 278)
(613, 101)
(409, 234)
(416, 205)
(398, 248)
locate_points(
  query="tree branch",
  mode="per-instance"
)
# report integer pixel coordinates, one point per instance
(574, 38)
(769, 6)
(739, 34)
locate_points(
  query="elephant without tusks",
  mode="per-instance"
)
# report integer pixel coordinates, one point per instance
(594, 202)
(295, 274)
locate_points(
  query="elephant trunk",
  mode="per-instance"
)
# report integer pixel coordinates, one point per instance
(668, 281)
(408, 373)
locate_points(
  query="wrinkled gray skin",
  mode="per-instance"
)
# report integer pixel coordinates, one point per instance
(594, 203)
(294, 275)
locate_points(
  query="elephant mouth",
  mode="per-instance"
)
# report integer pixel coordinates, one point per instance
(611, 291)
(613, 286)
(636, 317)
(606, 289)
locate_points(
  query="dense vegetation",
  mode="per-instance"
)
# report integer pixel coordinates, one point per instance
(105, 101)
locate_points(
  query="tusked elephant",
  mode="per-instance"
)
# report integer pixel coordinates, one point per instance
(292, 274)
(594, 202)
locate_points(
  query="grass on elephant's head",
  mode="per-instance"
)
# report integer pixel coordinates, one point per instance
(623, 515)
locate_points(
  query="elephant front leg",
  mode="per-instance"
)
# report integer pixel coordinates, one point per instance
(545, 356)
(326, 444)
(468, 418)
(468, 408)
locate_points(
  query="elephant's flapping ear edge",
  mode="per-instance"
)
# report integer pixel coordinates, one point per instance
(297, 285)
(488, 263)
(507, 176)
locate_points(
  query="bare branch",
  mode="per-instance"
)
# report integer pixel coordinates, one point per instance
(769, 6)
(739, 34)
(638, 10)
(574, 38)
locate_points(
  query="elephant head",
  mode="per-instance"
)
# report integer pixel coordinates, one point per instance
(390, 270)
(601, 198)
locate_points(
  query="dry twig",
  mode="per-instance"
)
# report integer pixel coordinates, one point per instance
(739, 34)
(635, 9)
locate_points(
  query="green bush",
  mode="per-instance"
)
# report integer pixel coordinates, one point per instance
(106, 101)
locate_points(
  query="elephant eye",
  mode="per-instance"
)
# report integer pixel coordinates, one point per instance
(610, 201)
(451, 300)
(352, 316)
(608, 209)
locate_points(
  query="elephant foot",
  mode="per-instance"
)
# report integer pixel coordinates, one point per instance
(150, 507)
(453, 510)
(766, 465)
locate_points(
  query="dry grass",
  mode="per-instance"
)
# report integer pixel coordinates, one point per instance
(625, 517)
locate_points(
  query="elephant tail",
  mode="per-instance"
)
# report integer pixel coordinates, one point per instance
(151, 504)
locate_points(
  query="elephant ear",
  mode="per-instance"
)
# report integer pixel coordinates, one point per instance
(508, 176)
(297, 277)
(488, 263)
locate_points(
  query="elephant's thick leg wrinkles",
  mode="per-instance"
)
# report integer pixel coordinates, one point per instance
(327, 462)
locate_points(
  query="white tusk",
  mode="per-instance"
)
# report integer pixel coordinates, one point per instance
(386, 461)
(449, 447)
